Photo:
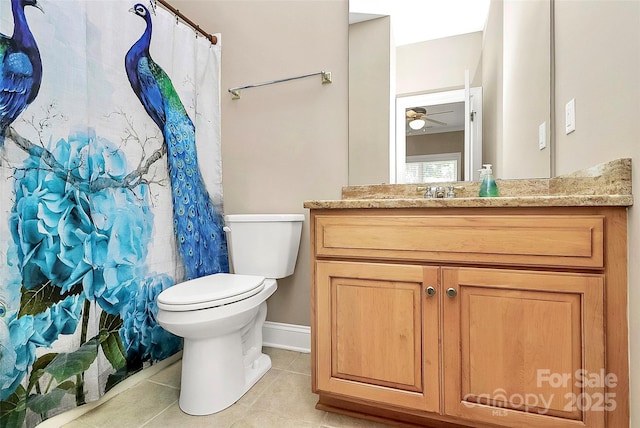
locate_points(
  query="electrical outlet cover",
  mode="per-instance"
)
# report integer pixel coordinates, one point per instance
(570, 116)
(542, 135)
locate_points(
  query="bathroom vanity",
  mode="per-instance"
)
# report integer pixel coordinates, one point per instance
(479, 312)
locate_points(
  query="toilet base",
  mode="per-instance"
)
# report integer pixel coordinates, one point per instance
(258, 369)
(217, 372)
(221, 386)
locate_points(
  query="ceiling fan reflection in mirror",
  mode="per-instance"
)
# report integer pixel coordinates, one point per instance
(417, 118)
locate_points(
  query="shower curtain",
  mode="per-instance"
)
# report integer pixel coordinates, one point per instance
(90, 231)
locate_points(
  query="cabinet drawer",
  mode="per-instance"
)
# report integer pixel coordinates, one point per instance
(538, 240)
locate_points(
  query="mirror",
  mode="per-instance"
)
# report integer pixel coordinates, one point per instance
(510, 60)
(439, 136)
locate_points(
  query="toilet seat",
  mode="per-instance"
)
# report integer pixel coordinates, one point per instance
(209, 292)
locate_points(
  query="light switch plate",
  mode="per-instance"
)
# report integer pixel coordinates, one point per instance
(542, 135)
(570, 116)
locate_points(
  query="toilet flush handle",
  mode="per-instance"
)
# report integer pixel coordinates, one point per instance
(226, 229)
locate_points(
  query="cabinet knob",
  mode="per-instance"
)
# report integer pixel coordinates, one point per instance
(452, 292)
(430, 291)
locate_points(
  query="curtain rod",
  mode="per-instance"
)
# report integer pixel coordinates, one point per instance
(213, 39)
(235, 92)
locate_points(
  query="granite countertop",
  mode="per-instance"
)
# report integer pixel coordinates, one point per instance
(607, 184)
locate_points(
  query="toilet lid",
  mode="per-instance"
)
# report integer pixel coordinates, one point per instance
(209, 291)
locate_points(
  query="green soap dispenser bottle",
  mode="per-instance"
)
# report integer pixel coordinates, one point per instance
(488, 186)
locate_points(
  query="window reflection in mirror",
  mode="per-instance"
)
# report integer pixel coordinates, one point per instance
(434, 143)
(445, 126)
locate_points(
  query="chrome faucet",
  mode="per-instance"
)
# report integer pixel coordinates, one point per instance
(429, 193)
(451, 193)
(438, 192)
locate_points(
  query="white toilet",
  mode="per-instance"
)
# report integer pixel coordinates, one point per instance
(221, 316)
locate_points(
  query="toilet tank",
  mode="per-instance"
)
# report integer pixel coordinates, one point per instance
(264, 244)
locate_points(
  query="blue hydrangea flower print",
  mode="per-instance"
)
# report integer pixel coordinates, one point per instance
(116, 255)
(141, 335)
(51, 219)
(81, 231)
(9, 307)
(28, 332)
(68, 234)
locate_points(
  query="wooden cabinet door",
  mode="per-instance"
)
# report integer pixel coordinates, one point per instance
(524, 349)
(377, 333)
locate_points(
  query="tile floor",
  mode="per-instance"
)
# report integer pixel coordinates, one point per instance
(281, 399)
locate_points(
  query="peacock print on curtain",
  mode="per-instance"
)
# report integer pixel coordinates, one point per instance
(102, 201)
(197, 223)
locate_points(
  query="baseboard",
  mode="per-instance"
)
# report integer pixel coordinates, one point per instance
(287, 336)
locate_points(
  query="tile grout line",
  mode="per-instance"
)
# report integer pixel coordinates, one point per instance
(164, 384)
(159, 413)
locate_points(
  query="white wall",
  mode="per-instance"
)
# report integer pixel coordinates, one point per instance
(286, 143)
(438, 65)
(371, 100)
(516, 83)
(526, 88)
(492, 59)
(598, 64)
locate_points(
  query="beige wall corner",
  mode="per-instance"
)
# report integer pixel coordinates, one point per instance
(371, 100)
